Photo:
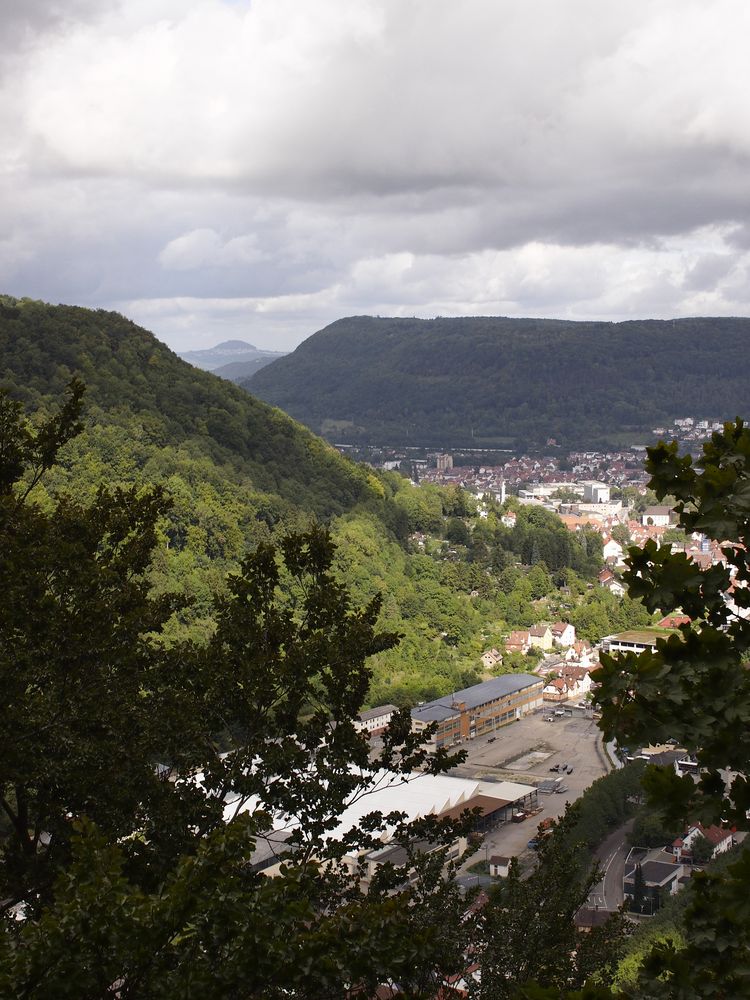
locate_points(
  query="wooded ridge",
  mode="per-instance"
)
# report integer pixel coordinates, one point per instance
(501, 382)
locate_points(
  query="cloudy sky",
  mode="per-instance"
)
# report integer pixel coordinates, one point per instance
(259, 168)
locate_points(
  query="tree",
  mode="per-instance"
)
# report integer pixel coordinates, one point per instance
(457, 532)
(694, 687)
(701, 849)
(527, 931)
(138, 781)
(639, 901)
(649, 830)
(621, 534)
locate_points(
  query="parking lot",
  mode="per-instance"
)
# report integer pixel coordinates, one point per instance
(525, 752)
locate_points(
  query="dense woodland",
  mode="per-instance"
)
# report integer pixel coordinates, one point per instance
(239, 472)
(168, 596)
(498, 382)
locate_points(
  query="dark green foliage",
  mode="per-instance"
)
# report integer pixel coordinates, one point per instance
(490, 381)
(138, 384)
(603, 613)
(695, 688)
(527, 931)
(142, 887)
(650, 830)
(604, 806)
(639, 902)
(216, 930)
(701, 849)
(539, 536)
(457, 532)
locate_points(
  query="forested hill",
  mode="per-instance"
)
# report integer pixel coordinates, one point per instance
(238, 473)
(136, 384)
(509, 382)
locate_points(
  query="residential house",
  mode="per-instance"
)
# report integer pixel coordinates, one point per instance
(661, 874)
(612, 551)
(491, 658)
(563, 634)
(499, 866)
(675, 620)
(578, 679)
(518, 641)
(572, 682)
(721, 840)
(657, 516)
(540, 636)
(581, 653)
(556, 690)
(608, 580)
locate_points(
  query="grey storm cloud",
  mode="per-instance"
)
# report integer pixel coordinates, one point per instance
(262, 168)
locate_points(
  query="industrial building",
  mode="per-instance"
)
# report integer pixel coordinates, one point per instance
(479, 709)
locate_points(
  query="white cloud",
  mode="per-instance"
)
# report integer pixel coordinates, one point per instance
(205, 248)
(297, 161)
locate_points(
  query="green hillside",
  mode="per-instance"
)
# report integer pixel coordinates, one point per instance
(499, 382)
(135, 383)
(239, 472)
(236, 470)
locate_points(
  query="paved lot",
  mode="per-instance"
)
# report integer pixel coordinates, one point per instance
(524, 752)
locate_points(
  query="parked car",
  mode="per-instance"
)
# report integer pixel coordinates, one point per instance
(570, 770)
(492, 739)
(555, 767)
(518, 817)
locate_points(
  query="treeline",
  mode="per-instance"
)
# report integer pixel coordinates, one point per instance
(499, 382)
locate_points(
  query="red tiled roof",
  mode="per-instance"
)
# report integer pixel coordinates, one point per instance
(713, 834)
(539, 630)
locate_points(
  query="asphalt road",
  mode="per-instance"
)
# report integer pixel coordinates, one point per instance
(607, 894)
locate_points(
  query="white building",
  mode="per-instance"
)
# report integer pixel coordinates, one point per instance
(375, 720)
(657, 516)
(595, 492)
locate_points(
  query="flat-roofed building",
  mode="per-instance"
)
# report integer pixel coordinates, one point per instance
(479, 709)
(632, 641)
(659, 878)
(595, 492)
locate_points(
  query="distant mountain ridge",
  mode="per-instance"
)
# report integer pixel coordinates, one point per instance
(503, 382)
(135, 383)
(232, 359)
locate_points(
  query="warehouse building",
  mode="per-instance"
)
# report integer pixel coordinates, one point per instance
(480, 709)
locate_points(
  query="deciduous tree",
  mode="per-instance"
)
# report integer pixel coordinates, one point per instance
(138, 780)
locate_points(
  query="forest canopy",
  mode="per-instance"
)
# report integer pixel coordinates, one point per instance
(499, 382)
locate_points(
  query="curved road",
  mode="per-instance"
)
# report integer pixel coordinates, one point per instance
(607, 894)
